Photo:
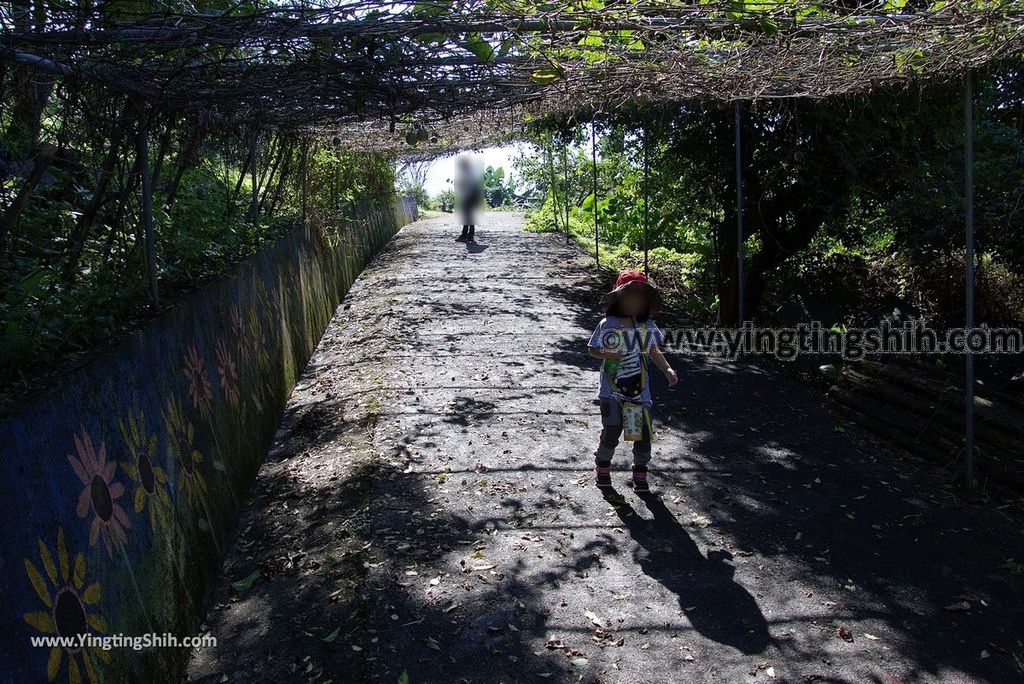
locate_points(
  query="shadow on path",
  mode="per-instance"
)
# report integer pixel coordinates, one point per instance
(716, 605)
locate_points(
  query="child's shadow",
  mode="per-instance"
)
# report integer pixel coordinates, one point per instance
(716, 605)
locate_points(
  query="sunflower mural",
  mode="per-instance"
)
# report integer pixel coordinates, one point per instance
(227, 371)
(100, 493)
(150, 479)
(180, 440)
(274, 296)
(258, 342)
(238, 332)
(70, 610)
(291, 269)
(269, 302)
(198, 382)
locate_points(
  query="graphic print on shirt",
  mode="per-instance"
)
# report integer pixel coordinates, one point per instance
(627, 374)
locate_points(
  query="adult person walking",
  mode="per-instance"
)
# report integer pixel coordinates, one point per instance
(469, 193)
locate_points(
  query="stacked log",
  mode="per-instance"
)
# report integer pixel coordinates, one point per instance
(920, 407)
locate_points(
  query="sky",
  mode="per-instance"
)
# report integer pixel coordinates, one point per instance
(442, 170)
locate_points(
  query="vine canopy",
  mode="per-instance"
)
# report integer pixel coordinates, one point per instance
(415, 79)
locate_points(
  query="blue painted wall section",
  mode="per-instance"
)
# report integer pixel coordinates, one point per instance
(122, 487)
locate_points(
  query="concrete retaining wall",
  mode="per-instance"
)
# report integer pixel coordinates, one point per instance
(122, 487)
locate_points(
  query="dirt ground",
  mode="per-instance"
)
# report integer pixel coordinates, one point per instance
(428, 512)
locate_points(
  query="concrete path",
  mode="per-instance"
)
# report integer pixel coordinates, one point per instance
(429, 509)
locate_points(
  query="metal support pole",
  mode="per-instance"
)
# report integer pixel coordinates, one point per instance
(969, 286)
(565, 187)
(739, 220)
(646, 200)
(305, 189)
(550, 154)
(254, 209)
(593, 154)
(142, 153)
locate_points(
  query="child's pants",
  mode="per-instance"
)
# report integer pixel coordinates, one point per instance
(611, 432)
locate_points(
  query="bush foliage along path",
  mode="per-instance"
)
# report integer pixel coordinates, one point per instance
(428, 509)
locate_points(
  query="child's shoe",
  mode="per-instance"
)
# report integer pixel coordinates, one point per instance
(604, 474)
(639, 481)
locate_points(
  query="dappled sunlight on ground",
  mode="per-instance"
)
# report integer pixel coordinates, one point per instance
(465, 539)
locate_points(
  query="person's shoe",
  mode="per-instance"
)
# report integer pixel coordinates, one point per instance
(639, 481)
(461, 238)
(604, 475)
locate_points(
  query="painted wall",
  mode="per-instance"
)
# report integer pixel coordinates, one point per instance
(120, 490)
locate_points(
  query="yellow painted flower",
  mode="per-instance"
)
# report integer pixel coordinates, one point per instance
(70, 611)
(100, 493)
(151, 480)
(198, 382)
(180, 437)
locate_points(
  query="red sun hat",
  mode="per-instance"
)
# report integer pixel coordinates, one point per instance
(634, 279)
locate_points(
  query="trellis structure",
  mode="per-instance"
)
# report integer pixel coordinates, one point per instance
(476, 72)
(363, 69)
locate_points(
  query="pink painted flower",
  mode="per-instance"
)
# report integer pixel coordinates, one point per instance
(198, 382)
(228, 372)
(100, 493)
(238, 330)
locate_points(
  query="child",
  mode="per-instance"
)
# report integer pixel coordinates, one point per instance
(624, 339)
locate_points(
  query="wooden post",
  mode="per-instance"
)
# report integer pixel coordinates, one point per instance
(142, 153)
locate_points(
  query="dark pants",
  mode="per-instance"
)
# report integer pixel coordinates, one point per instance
(611, 432)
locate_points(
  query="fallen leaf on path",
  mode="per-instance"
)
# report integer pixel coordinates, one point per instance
(243, 584)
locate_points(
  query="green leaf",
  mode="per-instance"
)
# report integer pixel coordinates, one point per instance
(243, 584)
(480, 47)
(32, 283)
(434, 37)
(547, 75)
(428, 9)
(404, 677)
(333, 635)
